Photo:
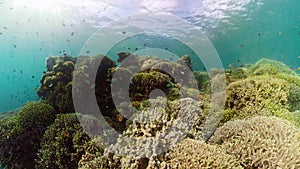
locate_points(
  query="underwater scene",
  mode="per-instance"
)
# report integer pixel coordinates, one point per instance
(149, 84)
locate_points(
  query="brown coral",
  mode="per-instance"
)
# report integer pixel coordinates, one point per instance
(261, 142)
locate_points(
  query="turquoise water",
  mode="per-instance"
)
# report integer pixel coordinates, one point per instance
(241, 31)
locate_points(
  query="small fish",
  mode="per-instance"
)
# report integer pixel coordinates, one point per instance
(120, 118)
(88, 51)
(72, 33)
(169, 85)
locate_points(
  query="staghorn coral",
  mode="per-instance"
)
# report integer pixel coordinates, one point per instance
(259, 95)
(63, 143)
(21, 134)
(260, 142)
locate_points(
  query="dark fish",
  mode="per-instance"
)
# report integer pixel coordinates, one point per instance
(4, 27)
(72, 33)
(32, 77)
(63, 24)
(14, 45)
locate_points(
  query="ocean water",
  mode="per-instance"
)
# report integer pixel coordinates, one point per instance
(241, 32)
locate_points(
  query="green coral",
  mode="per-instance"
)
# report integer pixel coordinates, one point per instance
(63, 143)
(56, 83)
(258, 95)
(143, 83)
(271, 67)
(294, 98)
(21, 134)
(260, 142)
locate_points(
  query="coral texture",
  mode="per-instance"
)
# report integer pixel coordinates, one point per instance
(260, 142)
(22, 133)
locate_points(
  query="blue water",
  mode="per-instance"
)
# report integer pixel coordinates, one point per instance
(242, 31)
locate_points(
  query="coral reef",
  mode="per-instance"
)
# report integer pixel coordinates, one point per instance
(271, 67)
(159, 113)
(195, 154)
(63, 143)
(260, 142)
(22, 133)
(294, 98)
(258, 95)
(56, 83)
(145, 82)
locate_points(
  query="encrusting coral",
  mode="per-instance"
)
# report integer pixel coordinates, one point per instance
(260, 142)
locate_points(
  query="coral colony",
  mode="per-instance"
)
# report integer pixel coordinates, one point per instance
(259, 127)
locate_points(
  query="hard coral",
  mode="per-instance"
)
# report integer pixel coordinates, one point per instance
(63, 143)
(269, 66)
(195, 154)
(56, 83)
(260, 142)
(259, 95)
(21, 134)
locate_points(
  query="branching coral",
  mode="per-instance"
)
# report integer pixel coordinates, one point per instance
(21, 135)
(63, 143)
(195, 154)
(259, 95)
(260, 142)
